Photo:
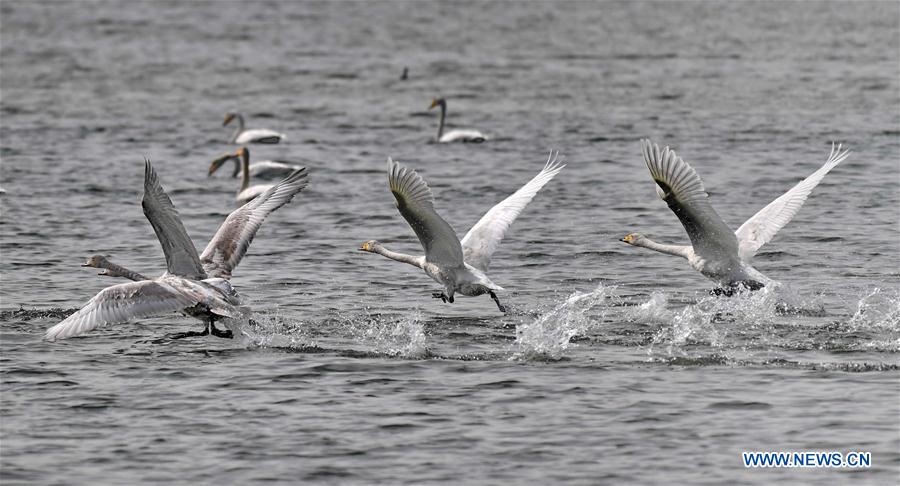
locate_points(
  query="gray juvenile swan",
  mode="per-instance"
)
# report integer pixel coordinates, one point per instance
(715, 251)
(471, 136)
(195, 285)
(460, 266)
(242, 136)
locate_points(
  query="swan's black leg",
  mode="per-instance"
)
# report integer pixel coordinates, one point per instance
(440, 295)
(499, 305)
(220, 333)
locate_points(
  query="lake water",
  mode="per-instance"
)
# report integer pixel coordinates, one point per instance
(614, 365)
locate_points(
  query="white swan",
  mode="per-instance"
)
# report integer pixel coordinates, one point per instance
(195, 285)
(258, 135)
(473, 136)
(246, 192)
(263, 169)
(460, 266)
(717, 252)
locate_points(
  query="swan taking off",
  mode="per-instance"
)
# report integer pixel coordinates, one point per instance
(246, 192)
(717, 252)
(264, 169)
(195, 285)
(258, 135)
(460, 266)
(472, 136)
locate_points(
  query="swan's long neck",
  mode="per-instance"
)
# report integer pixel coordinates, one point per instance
(245, 166)
(114, 270)
(239, 129)
(677, 250)
(400, 257)
(441, 123)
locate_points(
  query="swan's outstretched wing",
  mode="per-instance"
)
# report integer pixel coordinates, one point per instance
(231, 241)
(483, 239)
(416, 204)
(681, 188)
(761, 228)
(121, 303)
(181, 256)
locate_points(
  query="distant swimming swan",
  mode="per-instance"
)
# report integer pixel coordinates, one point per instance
(195, 285)
(257, 135)
(473, 136)
(246, 192)
(460, 266)
(717, 252)
(262, 169)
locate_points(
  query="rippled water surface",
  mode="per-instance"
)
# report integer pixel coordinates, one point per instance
(614, 365)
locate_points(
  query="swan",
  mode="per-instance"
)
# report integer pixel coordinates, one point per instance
(715, 251)
(263, 169)
(257, 135)
(459, 266)
(473, 136)
(246, 192)
(195, 285)
(110, 269)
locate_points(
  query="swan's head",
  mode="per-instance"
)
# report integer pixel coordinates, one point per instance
(216, 164)
(633, 238)
(437, 102)
(228, 118)
(369, 246)
(96, 261)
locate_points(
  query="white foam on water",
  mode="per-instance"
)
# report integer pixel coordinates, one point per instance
(551, 333)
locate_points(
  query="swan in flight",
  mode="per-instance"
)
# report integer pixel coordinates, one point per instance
(263, 169)
(473, 136)
(246, 193)
(459, 266)
(195, 285)
(258, 135)
(715, 251)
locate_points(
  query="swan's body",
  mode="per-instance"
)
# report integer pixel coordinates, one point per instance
(471, 136)
(715, 251)
(263, 169)
(243, 136)
(459, 266)
(246, 192)
(195, 285)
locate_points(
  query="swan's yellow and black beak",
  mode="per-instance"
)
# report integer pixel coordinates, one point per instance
(627, 239)
(434, 103)
(228, 118)
(365, 247)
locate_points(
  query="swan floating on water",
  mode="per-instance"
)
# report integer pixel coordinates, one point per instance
(472, 136)
(246, 192)
(257, 135)
(195, 285)
(460, 266)
(263, 169)
(715, 251)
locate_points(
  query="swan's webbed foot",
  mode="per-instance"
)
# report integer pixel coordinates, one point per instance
(736, 287)
(182, 335)
(499, 305)
(442, 296)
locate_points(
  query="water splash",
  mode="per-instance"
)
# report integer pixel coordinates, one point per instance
(552, 332)
(273, 330)
(400, 338)
(879, 309)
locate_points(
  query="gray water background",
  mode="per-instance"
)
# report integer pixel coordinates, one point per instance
(614, 366)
